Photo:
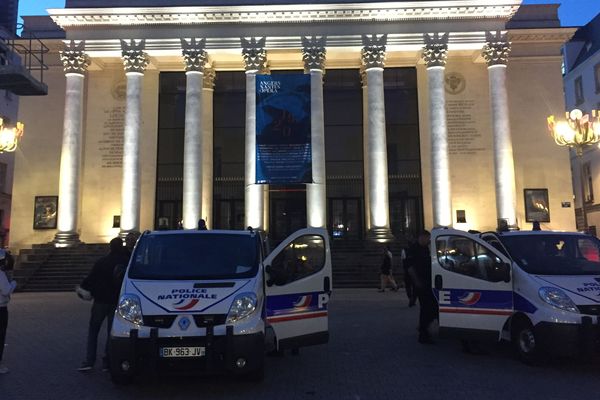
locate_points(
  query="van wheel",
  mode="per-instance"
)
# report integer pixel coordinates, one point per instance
(525, 343)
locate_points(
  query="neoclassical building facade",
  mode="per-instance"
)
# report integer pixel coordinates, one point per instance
(423, 114)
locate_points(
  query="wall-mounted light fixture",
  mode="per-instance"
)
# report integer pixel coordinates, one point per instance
(10, 135)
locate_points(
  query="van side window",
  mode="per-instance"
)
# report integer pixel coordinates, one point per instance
(467, 257)
(301, 258)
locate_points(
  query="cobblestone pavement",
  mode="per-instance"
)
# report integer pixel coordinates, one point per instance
(372, 354)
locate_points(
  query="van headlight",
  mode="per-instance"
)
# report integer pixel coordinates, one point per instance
(558, 298)
(130, 308)
(242, 307)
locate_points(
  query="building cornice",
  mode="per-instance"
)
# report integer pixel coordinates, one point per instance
(295, 13)
(542, 35)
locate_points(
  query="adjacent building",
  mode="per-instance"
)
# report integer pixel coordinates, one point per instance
(423, 114)
(582, 91)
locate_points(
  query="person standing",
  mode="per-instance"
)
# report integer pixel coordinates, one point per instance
(202, 225)
(418, 261)
(103, 288)
(411, 291)
(386, 275)
(7, 286)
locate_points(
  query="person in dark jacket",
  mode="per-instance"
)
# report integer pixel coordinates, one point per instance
(104, 288)
(418, 261)
(386, 275)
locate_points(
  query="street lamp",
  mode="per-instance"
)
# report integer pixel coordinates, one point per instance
(9, 135)
(577, 131)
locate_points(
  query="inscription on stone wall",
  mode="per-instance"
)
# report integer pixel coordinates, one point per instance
(110, 144)
(463, 136)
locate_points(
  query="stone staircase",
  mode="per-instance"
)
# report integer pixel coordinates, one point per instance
(357, 263)
(45, 268)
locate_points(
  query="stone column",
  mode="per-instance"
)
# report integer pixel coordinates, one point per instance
(365, 137)
(135, 61)
(75, 63)
(435, 54)
(496, 52)
(207, 146)
(373, 61)
(195, 59)
(255, 57)
(313, 55)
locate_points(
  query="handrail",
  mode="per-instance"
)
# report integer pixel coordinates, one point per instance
(32, 50)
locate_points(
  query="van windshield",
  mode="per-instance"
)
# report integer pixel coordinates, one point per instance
(555, 254)
(195, 256)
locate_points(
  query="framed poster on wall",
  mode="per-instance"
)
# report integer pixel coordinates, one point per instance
(537, 206)
(45, 212)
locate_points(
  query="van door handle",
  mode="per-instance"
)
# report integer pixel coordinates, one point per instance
(439, 283)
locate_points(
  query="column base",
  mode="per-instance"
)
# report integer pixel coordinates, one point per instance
(66, 239)
(503, 226)
(382, 235)
(123, 234)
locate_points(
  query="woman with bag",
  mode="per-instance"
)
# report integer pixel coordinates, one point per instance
(7, 286)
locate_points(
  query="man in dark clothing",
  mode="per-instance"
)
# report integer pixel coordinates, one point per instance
(103, 286)
(418, 261)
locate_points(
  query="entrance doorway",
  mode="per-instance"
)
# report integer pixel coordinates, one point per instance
(229, 214)
(288, 212)
(169, 214)
(345, 218)
(406, 217)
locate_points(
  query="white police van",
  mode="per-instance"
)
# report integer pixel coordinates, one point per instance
(206, 301)
(537, 289)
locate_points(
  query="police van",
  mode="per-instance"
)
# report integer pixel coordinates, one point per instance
(206, 301)
(539, 290)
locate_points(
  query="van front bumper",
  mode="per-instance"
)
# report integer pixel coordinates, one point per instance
(569, 339)
(129, 356)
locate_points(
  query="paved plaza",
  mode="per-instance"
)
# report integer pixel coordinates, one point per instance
(373, 354)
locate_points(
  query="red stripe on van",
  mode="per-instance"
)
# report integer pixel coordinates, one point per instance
(475, 311)
(296, 317)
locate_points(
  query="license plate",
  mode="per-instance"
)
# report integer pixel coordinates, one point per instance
(176, 352)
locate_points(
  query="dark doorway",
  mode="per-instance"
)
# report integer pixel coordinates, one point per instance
(288, 212)
(229, 214)
(345, 218)
(169, 214)
(406, 216)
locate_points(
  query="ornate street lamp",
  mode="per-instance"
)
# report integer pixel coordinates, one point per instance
(577, 131)
(9, 135)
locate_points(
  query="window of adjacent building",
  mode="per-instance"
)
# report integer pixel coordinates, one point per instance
(597, 77)
(579, 98)
(3, 169)
(587, 178)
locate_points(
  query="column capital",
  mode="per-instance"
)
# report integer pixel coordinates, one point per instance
(194, 55)
(74, 59)
(496, 49)
(363, 76)
(435, 52)
(314, 52)
(209, 78)
(373, 51)
(254, 53)
(134, 57)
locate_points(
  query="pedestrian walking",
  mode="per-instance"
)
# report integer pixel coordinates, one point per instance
(411, 290)
(418, 260)
(102, 285)
(386, 276)
(7, 286)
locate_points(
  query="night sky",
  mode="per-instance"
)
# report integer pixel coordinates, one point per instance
(572, 12)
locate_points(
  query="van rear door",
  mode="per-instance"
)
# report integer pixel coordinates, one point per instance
(472, 282)
(298, 276)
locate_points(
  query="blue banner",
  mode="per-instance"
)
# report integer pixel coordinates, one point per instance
(283, 145)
